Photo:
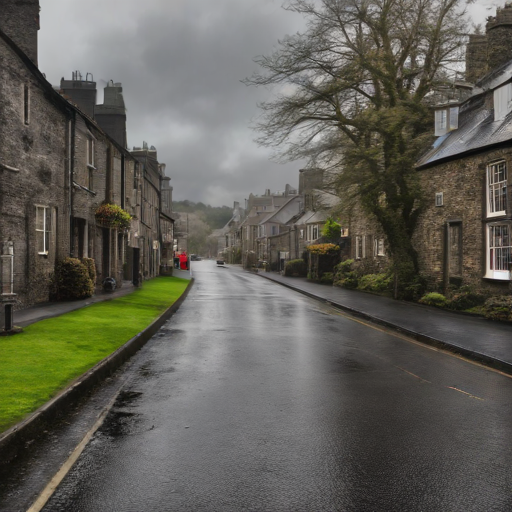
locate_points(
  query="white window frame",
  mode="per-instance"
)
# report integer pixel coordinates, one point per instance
(360, 247)
(499, 251)
(378, 247)
(90, 152)
(446, 120)
(301, 234)
(502, 101)
(43, 229)
(497, 188)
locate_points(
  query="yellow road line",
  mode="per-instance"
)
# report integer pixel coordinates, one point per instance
(466, 393)
(409, 339)
(48, 491)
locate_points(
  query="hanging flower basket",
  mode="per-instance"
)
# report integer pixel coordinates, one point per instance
(113, 216)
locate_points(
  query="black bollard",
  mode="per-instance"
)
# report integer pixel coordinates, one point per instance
(8, 317)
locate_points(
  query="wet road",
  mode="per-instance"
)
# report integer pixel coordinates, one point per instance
(256, 398)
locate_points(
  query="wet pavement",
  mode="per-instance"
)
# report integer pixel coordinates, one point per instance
(256, 398)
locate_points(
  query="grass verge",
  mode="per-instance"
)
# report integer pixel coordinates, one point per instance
(36, 364)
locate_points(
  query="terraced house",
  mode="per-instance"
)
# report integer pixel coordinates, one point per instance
(61, 158)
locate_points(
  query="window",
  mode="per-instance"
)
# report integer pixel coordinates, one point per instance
(360, 249)
(454, 247)
(499, 252)
(502, 101)
(90, 152)
(301, 234)
(274, 230)
(26, 104)
(496, 189)
(43, 229)
(447, 119)
(439, 199)
(378, 249)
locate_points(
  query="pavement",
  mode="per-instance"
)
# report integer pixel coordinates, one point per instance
(473, 337)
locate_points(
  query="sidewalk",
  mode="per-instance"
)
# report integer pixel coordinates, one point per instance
(478, 339)
(24, 317)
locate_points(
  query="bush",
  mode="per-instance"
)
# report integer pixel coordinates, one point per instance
(327, 277)
(295, 268)
(499, 308)
(71, 280)
(434, 299)
(466, 300)
(413, 290)
(91, 268)
(344, 276)
(375, 282)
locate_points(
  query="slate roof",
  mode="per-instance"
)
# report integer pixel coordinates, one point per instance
(477, 128)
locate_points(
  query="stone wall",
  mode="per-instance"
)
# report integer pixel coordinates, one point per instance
(20, 22)
(463, 184)
(34, 143)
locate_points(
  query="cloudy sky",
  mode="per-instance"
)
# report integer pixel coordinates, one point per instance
(181, 63)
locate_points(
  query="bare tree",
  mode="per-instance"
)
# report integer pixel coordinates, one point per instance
(353, 97)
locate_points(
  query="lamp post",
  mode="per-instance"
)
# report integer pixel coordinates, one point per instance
(8, 296)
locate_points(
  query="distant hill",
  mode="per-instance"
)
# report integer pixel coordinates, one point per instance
(215, 216)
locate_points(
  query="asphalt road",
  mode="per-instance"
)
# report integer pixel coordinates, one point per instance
(256, 398)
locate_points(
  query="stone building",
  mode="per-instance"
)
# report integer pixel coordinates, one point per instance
(58, 164)
(464, 235)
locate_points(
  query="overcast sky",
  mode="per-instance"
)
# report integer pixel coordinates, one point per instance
(180, 63)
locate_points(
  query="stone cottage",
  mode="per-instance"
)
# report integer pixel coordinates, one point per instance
(464, 236)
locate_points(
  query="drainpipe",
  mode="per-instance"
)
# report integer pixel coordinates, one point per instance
(71, 169)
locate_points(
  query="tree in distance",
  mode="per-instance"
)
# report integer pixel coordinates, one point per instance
(353, 98)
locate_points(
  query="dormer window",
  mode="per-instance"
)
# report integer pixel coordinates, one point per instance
(502, 101)
(447, 119)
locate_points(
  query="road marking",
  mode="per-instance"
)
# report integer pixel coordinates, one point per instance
(466, 393)
(48, 491)
(409, 339)
(413, 374)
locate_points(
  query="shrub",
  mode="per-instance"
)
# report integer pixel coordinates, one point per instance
(331, 229)
(327, 277)
(323, 249)
(91, 268)
(498, 308)
(434, 299)
(71, 280)
(344, 275)
(413, 290)
(466, 300)
(295, 268)
(375, 282)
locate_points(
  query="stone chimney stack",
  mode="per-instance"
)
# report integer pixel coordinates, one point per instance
(499, 37)
(20, 22)
(80, 92)
(111, 115)
(476, 57)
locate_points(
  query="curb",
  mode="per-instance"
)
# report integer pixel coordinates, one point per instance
(13, 440)
(491, 362)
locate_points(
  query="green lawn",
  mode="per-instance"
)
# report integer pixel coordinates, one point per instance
(37, 363)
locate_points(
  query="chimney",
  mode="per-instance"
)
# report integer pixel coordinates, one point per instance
(80, 92)
(499, 37)
(476, 57)
(20, 22)
(111, 116)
